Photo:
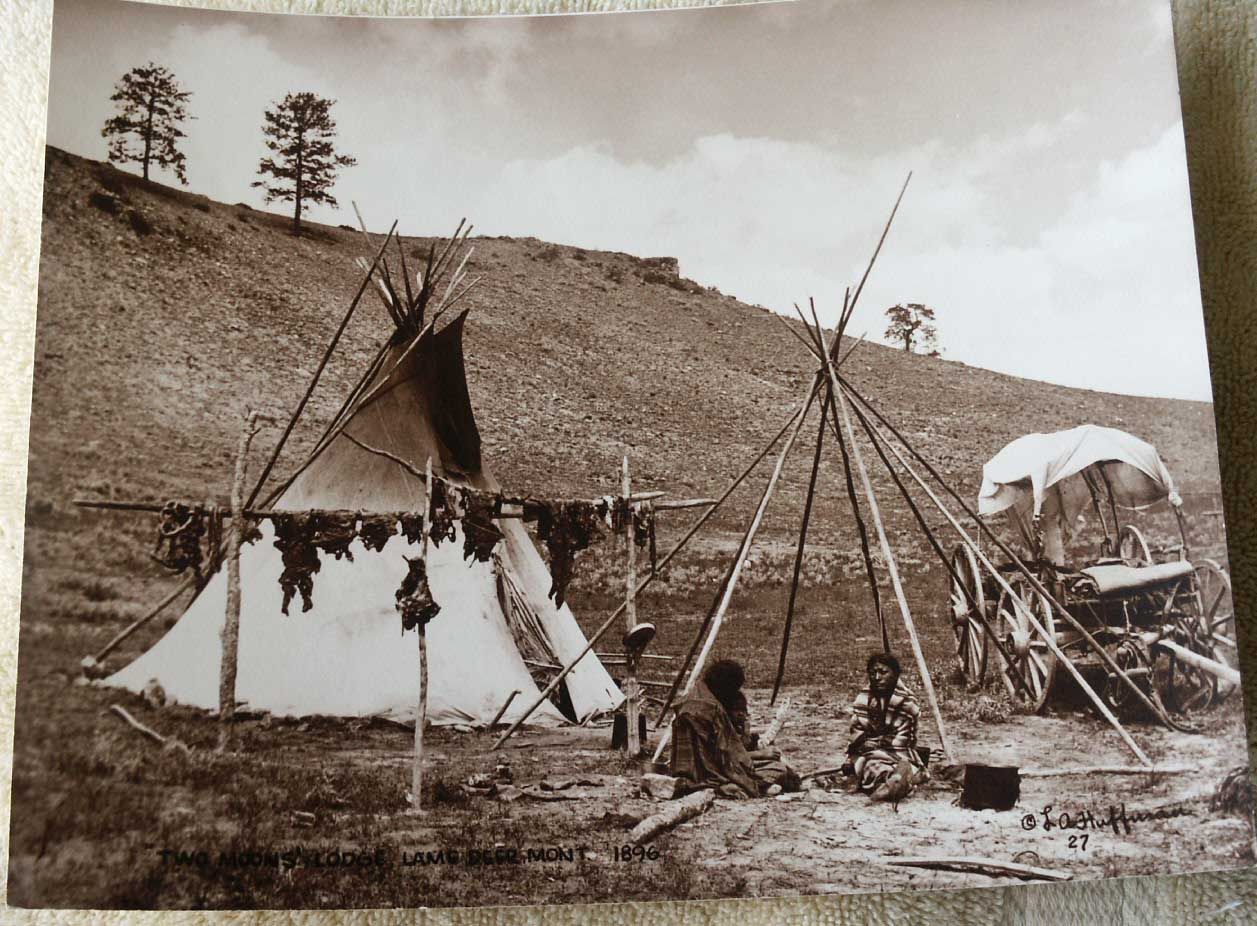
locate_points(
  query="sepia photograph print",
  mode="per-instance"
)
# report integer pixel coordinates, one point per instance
(739, 452)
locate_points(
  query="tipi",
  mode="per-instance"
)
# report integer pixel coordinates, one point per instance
(347, 657)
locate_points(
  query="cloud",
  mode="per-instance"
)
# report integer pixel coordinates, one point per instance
(1105, 295)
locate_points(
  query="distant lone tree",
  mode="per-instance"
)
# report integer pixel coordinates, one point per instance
(303, 163)
(146, 129)
(911, 325)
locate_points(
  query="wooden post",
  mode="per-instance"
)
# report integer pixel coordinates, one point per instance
(632, 691)
(231, 625)
(770, 735)
(421, 714)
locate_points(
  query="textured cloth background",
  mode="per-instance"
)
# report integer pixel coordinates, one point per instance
(1217, 61)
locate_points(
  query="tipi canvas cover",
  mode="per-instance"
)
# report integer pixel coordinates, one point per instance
(347, 656)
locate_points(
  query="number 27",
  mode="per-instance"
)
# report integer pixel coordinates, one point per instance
(1078, 842)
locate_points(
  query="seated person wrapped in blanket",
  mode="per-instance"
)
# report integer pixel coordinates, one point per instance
(709, 749)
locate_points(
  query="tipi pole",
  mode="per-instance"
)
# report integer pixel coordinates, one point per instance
(1008, 678)
(370, 370)
(798, 555)
(863, 533)
(632, 691)
(689, 535)
(314, 380)
(1038, 628)
(697, 671)
(891, 568)
(823, 355)
(701, 632)
(231, 624)
(410, 348)
(880, 241)
(1021, 567)
(421, 714)
(135, 625)
(502, 710)
(338, 426)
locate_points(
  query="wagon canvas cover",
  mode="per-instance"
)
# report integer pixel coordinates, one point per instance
(1032, 475)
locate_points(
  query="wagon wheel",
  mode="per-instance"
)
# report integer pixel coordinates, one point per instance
(1186, 689)
(1217, 609)
(1132, 547)
(970, 638)
(1032, 660)
(1132, 659)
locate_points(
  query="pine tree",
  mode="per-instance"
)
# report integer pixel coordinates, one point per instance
(910, 324)
(303, 162)
(146, 129)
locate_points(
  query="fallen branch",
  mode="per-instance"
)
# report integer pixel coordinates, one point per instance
(983, 866)
(677, 813)
(1109, 770)
(136, 725)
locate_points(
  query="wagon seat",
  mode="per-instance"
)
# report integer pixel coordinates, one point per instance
(1116, 579)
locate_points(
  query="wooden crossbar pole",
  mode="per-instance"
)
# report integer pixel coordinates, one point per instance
(1047, 638)
(891, 568)
(694, 529)
(509, 509)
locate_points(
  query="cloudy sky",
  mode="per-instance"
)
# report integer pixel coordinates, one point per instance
(1047, 221)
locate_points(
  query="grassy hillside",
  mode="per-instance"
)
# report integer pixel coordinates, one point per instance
(162, 314)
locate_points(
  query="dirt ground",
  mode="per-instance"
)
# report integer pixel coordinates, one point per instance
(329, 786)
(843, 844)
(103, 818)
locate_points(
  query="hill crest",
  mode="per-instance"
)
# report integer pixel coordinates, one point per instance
(162, 314)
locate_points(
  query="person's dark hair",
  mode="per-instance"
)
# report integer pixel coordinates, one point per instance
(725, 678)
(885, 659)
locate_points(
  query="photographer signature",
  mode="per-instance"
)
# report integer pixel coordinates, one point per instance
(1118, 820)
